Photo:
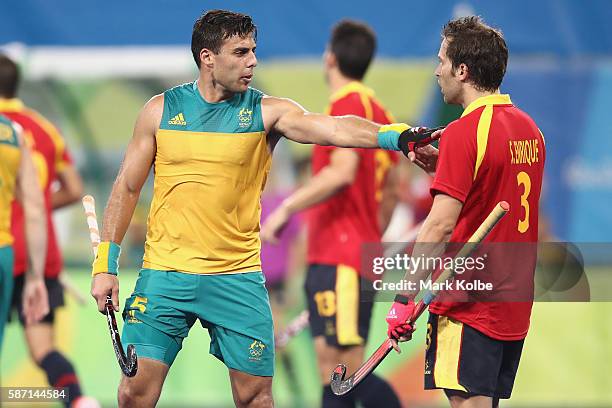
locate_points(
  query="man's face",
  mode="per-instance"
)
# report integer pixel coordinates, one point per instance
(450, 84)
(235, 63)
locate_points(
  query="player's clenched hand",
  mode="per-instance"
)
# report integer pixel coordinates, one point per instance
(274, 224)
(35, 300)
(426, 157)
(398, 329)
(103, 285)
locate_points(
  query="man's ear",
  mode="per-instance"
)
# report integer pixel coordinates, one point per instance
(329, 59)
(207, 58)
(462, 72)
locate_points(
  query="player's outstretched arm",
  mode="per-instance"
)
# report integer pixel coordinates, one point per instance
(122, 202)
(35, 303)
(288, 118)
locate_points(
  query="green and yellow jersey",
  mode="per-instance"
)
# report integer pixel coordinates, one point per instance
(211, 165)
(10, 155)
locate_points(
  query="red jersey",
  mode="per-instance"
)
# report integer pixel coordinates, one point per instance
(494, 152)
(339, 226)
(50, 158)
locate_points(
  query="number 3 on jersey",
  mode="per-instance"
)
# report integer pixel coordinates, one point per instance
(523, 178)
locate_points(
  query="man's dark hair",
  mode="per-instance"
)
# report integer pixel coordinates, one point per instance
(353, 43)
(9, 77)
(480, 47)
(215, 26)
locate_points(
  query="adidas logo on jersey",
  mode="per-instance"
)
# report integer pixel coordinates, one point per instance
(178, 120)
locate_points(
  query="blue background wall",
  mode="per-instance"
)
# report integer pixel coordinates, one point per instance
(295, 28)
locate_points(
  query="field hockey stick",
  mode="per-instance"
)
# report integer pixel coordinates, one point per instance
(129, 363)
(339, 385)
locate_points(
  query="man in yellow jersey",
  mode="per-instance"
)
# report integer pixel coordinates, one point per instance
(211, 142)
(18, 181)
(346, 209)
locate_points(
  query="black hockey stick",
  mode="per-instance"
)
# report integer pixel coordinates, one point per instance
(129, 363)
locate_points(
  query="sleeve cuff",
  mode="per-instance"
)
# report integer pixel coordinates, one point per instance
(438, 187)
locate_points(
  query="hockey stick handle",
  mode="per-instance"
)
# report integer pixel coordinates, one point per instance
(487, 225)
(89, 204)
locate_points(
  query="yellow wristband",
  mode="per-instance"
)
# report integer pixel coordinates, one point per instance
(107, 259)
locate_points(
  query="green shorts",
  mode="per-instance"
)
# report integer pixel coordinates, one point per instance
(234, 308)
(6, 286)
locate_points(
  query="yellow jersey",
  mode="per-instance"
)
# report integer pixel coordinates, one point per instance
(10, 155)
(211, 166)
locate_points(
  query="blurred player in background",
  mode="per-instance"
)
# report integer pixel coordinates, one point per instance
(282, 259)
(211, 142)
(18, 181)
(61, 186)
(347, 207)
(474, 348)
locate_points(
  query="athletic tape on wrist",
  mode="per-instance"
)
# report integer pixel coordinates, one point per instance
(107, 259)
(388, 135)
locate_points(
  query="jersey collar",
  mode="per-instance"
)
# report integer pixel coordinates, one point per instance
(11, 105)
(494, 99)
(353, 86)
(222, 103)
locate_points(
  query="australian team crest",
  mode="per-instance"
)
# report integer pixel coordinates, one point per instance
(245, 117)
(256, 349)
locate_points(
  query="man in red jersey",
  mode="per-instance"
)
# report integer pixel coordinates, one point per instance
(350, 199)
(474, 348)
(53, 163)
